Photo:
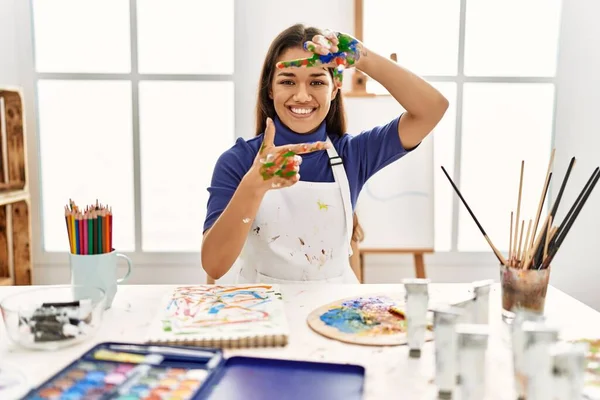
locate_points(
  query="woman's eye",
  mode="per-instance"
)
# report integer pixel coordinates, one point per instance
(286, 83)
(318, 83)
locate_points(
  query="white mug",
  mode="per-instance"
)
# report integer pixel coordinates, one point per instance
(98, 270)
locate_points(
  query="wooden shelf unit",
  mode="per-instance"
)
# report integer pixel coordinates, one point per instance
(15, 219)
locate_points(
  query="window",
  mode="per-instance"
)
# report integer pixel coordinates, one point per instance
(133, 110)
(498, 71)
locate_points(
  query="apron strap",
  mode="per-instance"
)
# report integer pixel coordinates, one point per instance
(339, 174)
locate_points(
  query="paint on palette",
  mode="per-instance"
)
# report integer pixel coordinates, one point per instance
(193, 308)
(93, 380)
(366, 316)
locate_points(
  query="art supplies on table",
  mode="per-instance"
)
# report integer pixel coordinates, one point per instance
(52, 322)
(525, 269)
(221, 316)
(90, 230)
(132, 371)
(373, 320)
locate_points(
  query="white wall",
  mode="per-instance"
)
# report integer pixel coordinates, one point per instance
(576, 269)
(9, 66)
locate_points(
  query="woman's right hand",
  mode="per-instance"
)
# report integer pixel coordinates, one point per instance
(277, 167)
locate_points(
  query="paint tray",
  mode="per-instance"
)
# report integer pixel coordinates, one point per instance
(193, 373)
(252, 378)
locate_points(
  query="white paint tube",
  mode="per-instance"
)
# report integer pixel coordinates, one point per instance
(481, 309)
(518, 347)
(568, 362)
(472, 344)
(417, 301)
(539, 338)
(445, 319)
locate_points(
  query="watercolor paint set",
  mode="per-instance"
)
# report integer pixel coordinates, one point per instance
(128, 371)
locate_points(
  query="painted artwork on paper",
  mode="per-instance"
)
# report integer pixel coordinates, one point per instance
(216, 308)
(369, 320)
(592, 368)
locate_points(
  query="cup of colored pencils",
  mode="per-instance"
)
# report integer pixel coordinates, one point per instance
(525, 270)
(89, 229)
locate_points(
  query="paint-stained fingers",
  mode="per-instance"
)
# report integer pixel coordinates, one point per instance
(316, 48)
(328, 41)
(305, 148)
(282, 165)
(331, 36)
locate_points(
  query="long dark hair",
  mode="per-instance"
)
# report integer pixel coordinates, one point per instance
(294, 36)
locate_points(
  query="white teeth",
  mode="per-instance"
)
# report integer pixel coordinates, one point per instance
(301, 110)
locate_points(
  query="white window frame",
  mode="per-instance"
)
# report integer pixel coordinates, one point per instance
(29, 78)
(455, 256)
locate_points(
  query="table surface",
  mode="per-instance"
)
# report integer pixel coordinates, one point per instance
(390, 373)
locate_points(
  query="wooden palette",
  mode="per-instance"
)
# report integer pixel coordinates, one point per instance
(365, 320)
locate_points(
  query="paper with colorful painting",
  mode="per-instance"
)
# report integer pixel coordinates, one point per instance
(221, 315)
(592, 370)
(376, 320)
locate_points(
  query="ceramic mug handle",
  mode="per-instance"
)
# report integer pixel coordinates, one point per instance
(129, 264)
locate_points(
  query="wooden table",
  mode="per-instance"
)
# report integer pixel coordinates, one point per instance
(390, 373)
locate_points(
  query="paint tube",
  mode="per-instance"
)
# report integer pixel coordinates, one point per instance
(467, 305)
(481, 310)
(518, 346)
(417, 301)
(444, 324)
(472, 343)
(569, 363)
(539, 338)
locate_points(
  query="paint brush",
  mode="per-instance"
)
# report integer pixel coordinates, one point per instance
(543, 196)
(538, 254)
(494, 249)
(567, 223)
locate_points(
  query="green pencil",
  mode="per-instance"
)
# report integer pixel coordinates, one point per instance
(91, 247)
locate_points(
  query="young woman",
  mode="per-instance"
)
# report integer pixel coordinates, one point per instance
(282, 202)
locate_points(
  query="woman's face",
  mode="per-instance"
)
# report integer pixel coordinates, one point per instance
(301, 95)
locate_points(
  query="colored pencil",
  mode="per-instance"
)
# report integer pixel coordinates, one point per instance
(89, 230)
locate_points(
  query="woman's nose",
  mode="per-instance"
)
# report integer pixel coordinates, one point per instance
(302, 94)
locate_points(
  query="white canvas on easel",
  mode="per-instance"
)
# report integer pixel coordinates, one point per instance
(396, 206)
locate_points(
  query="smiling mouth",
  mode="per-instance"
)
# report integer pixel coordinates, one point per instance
(302, 112)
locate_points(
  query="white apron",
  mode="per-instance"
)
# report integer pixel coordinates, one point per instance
(302, 233)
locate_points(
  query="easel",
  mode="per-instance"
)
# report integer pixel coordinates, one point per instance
(418, 256)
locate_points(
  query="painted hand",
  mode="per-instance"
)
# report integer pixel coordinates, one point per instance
(280, 165)
(336, 50)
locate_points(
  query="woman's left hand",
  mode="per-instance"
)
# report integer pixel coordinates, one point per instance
(334, 50)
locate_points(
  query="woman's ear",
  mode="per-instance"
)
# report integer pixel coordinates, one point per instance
(271, 94)
(334, 91)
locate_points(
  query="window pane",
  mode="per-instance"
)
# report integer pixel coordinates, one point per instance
(186, 36)
(82, 36)
(181, 140)
(86, 154)
(502, 125)
(424, 33)
(512, 38)
(443, 154)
